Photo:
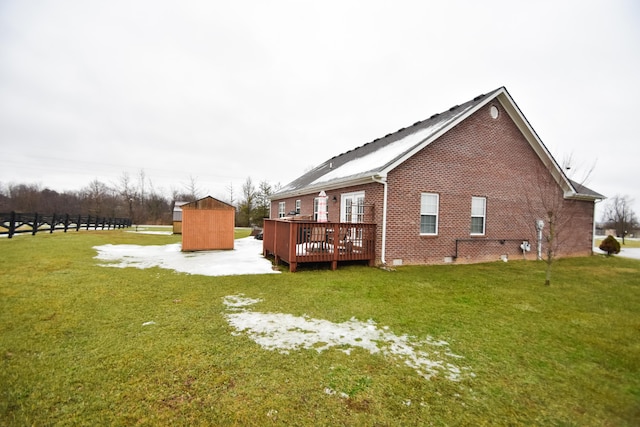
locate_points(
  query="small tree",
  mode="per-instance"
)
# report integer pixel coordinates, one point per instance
(247, 205)
(263, 203)
(619, 216)
(610, 245)
(551, 210)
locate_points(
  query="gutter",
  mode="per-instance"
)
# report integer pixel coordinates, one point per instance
(593, 229)
(325, 185)
(383, 180)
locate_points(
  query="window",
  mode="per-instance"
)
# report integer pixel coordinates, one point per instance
(478, 214)
(429, 213)
(298, 207)
(352, 207)
(281, 210)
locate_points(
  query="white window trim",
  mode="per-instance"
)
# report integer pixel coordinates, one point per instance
(437, 213)
(315, 209)
(282, 212)
(298, 203)
(483, 216)
(343, 206)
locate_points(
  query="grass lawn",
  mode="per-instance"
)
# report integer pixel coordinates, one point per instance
(74, 350)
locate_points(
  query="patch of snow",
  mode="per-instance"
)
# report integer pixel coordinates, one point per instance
(379, 158)
(163, 233)
(285, 332)
(246, 258)
(239, 301)
(624, 252)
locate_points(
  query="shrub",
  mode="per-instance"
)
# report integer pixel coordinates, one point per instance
(610, 245)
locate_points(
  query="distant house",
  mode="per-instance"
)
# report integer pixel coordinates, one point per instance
(466, 185)
(177, 217)
(207, 224)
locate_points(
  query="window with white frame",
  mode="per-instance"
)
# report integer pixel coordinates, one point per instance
(352, 207)
(298, 207)
(281, 209)
(429, 213)
(478, 215)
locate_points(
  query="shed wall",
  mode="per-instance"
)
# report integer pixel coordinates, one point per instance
(207, 229)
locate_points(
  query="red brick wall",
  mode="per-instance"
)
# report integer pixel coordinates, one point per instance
(482, 157)
(373, 196)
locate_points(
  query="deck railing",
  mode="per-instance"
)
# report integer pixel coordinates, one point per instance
(307, 241)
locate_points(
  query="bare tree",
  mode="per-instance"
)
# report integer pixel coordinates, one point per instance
(96, 195)
(25, 197)
(142, 182)
(619, 215)
(550, 216)
(127, 194)
(232, 199)
(193, 192)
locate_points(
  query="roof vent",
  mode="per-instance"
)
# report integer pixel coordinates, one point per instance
(434, 116)
(478, 97)
(416, 123)
(453, 108)
(494, 112)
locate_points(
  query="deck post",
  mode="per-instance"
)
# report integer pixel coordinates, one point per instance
(275, 244)
(336, 250)
(293, 238)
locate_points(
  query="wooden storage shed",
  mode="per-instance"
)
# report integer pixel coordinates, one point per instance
(207, 224)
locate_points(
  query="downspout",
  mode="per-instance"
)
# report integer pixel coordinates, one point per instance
(383, 181)
(593, 231)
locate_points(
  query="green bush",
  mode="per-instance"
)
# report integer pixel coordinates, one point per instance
(610, 245)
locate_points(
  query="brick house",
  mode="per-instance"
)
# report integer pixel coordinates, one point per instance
(465, 185)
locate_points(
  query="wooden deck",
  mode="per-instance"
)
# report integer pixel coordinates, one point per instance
(297, 242)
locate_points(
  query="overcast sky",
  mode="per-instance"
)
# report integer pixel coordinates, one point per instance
(221, 91)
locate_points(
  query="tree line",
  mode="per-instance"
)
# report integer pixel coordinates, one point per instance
(133, 197)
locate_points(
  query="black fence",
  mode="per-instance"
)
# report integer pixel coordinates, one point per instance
(13, 223)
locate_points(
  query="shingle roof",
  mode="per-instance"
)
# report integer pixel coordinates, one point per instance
(581, 190)
(376, 156)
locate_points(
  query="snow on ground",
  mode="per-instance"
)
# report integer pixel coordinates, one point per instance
(142, 229)
(162, 233)
(246, 258)
(624, 251)
(285, 332)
